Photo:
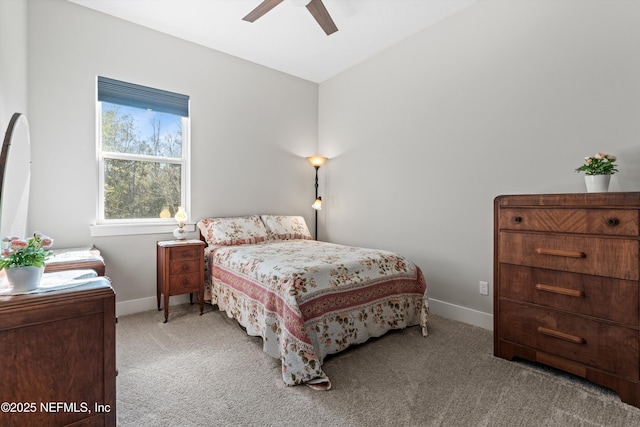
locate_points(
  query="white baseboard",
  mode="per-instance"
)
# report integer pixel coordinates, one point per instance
(145, 304)
(461, 314)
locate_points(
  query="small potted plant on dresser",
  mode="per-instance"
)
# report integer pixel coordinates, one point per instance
(598, 169)
(24, 260)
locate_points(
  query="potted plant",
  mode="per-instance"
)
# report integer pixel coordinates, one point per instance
(598, 169)
(24, 260)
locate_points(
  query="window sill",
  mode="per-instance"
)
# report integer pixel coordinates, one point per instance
(104, 230)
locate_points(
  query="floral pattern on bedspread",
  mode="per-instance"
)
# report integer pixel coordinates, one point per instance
(308, 299)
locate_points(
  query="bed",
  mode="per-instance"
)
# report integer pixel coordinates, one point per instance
(305, 298)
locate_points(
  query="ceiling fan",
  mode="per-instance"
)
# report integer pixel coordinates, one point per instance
(316, 7)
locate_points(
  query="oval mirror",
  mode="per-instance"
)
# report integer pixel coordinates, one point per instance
(15, 177)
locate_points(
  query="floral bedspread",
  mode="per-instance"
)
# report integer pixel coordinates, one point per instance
(308, 299)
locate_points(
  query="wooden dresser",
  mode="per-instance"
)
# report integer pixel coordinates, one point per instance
(57, 357)
(566, 285)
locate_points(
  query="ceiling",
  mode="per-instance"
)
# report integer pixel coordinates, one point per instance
(287, 38)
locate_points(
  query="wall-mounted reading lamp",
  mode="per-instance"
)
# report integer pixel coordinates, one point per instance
(316, 162)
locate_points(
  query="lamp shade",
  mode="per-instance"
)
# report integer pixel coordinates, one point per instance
(317, 205)
(181, 216)
(316, 161)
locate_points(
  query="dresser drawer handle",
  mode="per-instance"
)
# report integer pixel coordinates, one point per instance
(561, 291)
(185, 282)
(517, 219)
(561, 252)
(184, 267)
(561, 335)
(613, 222)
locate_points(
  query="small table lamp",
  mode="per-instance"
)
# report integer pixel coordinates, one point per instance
(181, 217)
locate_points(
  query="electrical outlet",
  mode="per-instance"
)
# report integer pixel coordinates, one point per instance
(484, 288)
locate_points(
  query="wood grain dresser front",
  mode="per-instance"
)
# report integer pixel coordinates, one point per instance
(58, 357)
(566, 273)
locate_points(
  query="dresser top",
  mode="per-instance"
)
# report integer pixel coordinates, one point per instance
(94, 287)
(169, 243)
(622, 199)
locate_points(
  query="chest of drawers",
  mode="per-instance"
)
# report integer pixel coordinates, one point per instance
(59, 348)
(566, 273)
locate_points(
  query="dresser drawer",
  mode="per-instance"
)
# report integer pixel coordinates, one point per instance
(603, 345)
(609, 257)
(185, 283)
(615, 222)
(606, 298)
(186, 252)
(181, 266)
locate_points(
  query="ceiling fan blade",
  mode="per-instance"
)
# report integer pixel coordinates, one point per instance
(262, 8)
(320, 13)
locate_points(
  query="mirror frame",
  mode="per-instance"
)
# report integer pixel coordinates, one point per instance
(13, 221)
(6, 143)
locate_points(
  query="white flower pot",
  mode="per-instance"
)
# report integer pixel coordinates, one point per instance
(24, 279)
(597, 183)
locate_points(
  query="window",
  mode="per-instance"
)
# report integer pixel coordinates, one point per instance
(143, 153)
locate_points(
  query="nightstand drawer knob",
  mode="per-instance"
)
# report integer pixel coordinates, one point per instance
(184, 267)
(613, 221)
(517, 219)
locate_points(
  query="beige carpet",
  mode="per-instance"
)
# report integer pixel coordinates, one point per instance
(205, 371)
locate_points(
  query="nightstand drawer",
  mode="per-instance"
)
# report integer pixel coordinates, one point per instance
(618, 222)
(185, 252)
(609, 257)
(602, 297)
(185, 283)
(184, 266)
(604, 345)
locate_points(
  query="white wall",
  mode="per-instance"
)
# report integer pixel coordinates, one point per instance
(503, 97)
(13, 60)
(251, 128)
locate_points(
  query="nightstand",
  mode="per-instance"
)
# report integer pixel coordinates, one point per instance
(180, 265)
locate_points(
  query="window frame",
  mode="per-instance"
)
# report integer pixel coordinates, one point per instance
(131, 226)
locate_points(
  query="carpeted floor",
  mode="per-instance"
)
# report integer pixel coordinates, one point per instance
(205, 371)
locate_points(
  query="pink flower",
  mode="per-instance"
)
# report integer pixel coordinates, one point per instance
(19, 244)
